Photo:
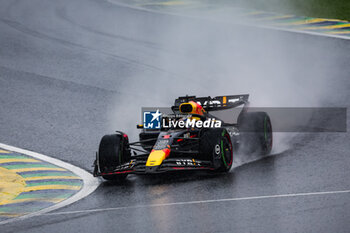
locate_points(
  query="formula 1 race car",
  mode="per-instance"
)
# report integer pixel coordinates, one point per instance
(190, 139)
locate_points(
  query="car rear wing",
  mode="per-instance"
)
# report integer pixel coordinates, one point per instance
(214, 104)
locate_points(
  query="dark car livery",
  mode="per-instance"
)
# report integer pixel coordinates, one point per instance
(190, 148)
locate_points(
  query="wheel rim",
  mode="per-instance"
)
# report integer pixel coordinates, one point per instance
(227, 150)
(267, 134)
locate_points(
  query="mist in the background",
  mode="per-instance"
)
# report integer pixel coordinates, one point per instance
(201, 57)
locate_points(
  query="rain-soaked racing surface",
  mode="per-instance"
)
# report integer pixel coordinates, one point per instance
(72, 71)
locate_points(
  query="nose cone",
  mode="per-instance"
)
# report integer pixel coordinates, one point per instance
(156, 157)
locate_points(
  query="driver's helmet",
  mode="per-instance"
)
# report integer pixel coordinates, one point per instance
(195, 110)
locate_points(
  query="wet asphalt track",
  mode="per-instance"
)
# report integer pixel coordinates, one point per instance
(65, 64)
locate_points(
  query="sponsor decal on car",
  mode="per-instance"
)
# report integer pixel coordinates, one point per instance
(217, 149)
(188, 162)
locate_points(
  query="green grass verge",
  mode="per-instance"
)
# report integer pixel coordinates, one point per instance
(332, 9)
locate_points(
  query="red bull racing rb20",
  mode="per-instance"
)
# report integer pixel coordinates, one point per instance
(189, 139)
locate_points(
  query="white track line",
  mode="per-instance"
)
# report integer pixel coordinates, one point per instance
(222, 21)
(90, 182)
(201, 202)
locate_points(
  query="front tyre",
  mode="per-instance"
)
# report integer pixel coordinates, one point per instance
(224, 152)
(216, 146)
(113, 151)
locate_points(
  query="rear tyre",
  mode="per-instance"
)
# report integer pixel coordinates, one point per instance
(113, 151)
(216, 146)
(255, 133)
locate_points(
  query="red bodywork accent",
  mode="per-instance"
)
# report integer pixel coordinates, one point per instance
(113, 173)
(167, 152)
(126, 137)
(191, 168)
